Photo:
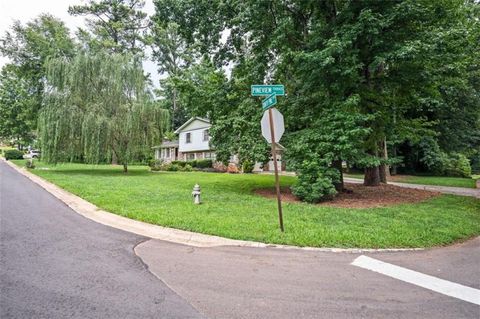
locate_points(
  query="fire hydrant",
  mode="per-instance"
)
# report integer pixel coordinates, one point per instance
(196, 194)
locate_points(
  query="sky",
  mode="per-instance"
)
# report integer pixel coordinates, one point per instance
(25, 10)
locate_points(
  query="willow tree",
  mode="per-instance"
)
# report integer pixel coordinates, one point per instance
(97, 107)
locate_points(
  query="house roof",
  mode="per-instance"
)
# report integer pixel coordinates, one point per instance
(190, 121)
(167, 144)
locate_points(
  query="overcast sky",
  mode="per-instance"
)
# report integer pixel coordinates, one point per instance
(26, 10)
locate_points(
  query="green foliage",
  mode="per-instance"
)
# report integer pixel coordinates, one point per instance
(458, 165)
(392, 70)
(173, 167)
(475, 162)
(157, 165)
(17, 107)
(22, 81)
(200, 164)
(98, 107)
(205, 163)
(315, 182)
(187, 168)
(179, 163)
(13, 154)
(431, 156)
(247, 166)
(117, 25)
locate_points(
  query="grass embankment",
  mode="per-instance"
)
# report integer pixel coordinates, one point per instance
(427, 180)
(230, 209)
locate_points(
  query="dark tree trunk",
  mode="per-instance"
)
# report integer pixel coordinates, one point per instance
(339, 186)
(372, 176)
(125, 168)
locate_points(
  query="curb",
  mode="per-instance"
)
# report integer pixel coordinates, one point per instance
(183, 237)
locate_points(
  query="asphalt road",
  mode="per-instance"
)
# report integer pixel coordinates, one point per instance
(263, 283)
(56, 264)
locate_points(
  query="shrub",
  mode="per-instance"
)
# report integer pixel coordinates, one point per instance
(13, 154)
(315, 182)
(156, 165)
(458, 165)
(186, 168)
(173, 167)
(247, 166)
(205, 163)
(431, 156)
(179, 163)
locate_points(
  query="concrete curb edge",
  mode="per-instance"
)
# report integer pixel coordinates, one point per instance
(94, 213)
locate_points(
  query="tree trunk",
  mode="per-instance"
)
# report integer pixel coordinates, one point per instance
(372, 176)
(339, 186)
(125, 168)
(114, 159)
(384, 168)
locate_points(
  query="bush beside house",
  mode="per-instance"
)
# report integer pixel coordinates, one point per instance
(183, 166)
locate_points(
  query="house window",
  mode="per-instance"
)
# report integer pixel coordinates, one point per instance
(205, 136)
(209, 155)
(188, 138)
(167, 153)
(190, 156)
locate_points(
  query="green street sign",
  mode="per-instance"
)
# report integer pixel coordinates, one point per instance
(269, 101)
(266, 90)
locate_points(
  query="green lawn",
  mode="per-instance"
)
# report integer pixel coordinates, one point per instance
(230, 209)
(428, 180)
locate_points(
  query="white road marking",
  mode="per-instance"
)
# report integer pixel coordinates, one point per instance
(429, 282)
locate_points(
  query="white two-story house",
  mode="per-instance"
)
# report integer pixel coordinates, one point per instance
(194, 144)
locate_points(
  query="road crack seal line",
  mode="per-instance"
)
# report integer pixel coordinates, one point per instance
(158, 277)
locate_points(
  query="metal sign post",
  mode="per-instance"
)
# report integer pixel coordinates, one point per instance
(275, 165)
(272, 123)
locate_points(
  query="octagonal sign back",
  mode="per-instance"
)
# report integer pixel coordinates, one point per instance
(278, 125)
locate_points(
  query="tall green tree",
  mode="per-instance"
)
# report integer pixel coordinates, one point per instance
(118, 26)
(173, 57)
(97, 107)
(17, 107)
(28, 47)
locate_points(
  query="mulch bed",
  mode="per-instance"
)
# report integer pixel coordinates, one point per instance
(359, 196)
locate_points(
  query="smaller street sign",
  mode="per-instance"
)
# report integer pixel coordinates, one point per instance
(266, 90)
(269, 102)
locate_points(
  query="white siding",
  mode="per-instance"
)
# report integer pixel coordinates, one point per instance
(196, 141)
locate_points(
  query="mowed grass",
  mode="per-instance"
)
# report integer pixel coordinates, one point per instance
(230, 209)
(428, 180)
